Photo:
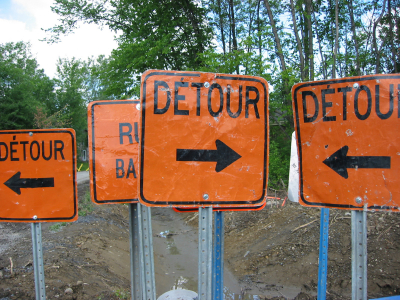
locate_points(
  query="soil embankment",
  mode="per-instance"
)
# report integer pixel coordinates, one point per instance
(272, 253)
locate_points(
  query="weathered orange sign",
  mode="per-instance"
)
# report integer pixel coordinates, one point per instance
(38, 176)
(113, 148)
(348, 142)
(220, 209)
(204, 139)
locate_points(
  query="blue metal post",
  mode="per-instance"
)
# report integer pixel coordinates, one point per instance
(323, 253)
(218, 257)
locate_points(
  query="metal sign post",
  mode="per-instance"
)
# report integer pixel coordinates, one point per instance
(323, 253)
(113, 145)
(38, 268)
(205, 253)
(359, 255)
(146, 253)
(218, 257)
(134, 250)
(38, 166)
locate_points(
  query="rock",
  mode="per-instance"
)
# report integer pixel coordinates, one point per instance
(1, 274)
(79, 282)
(69, 291)
(344, 284)
(178, 295)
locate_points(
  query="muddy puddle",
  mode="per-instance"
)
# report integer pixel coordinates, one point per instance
(175, 258)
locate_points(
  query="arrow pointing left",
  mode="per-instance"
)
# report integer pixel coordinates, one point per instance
(16, 182)
(340, 162)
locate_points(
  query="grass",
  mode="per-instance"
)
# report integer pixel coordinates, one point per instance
(83, 166)
(121, 294)
(57, 226)
(85, 205)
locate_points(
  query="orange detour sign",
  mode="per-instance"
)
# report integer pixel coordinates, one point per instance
(348, 142)
(38, 176)
(181, 209)
(204, 139)
(113, 148)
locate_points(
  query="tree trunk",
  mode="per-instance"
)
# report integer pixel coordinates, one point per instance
(377, 51)
(324, 70)
(276, 36)
(336, 38)
(392, 47)
(249, 46)
(259, 32)
(299, 44)
(233, 31)
(355, 40)
(233, 25)
(310, 47)
(304, 33)
(221, 26)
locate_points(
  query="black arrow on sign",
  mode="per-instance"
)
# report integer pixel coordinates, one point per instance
(224, 155)
(340, 162)
(16, 182)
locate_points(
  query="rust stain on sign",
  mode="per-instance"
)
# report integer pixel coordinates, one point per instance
(113, 147)
(38, 176)
(204, 139)
(348, 141)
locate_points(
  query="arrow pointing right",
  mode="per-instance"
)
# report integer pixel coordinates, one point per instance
(224, 155)
(340, 162)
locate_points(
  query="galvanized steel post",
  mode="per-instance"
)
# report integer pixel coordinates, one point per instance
(38, 268)
(359, 255)
(136, 292)
(146, 253)
(205, 253)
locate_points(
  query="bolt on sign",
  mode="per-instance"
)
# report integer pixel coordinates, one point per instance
(38, 176)
(113, 148)
(348, 142)
(204, 139)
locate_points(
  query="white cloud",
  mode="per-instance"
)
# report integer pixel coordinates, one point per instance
(23, 22)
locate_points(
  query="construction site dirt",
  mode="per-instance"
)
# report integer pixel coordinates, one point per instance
(268, 254)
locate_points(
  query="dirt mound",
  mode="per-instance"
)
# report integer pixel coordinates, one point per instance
(270, 252)
(277, 248)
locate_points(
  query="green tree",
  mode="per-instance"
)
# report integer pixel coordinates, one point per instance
(387, 37)
(151, 34)
(283, 41)
(77, 83)
(72, 95)
(23, 86)
(100, 82)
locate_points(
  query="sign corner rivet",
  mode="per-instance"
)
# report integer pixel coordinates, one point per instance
(205, 197)
(30, 133)
(356, 85)
(35, 217)
(206, 84)
(358, 199)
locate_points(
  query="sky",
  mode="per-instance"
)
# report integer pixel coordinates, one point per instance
(22, 20)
